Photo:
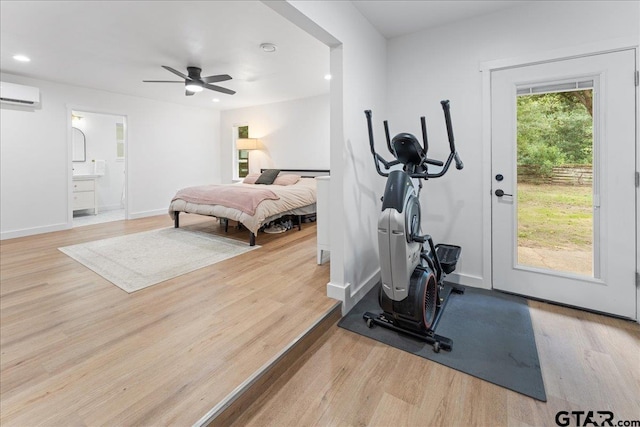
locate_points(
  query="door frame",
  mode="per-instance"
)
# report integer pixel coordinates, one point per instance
(486, 68)
(70, 109)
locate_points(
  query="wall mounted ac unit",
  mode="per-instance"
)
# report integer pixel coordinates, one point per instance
(11, 93)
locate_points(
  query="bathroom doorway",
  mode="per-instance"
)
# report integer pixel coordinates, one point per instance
(98, 147)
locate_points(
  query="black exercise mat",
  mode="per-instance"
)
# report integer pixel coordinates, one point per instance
(491, 332)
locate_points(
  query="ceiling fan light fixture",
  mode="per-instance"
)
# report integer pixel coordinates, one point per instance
(268, 47)
(193, 87)
(195, 83)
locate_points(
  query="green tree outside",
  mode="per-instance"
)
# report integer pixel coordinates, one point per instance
(555, 129)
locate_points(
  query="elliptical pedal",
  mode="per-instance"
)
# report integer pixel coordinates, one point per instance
(437, 341)
(448, 256)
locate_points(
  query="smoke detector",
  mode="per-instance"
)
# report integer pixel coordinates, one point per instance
(268, 47)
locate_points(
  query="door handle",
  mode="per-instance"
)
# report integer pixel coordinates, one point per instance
(501, 193)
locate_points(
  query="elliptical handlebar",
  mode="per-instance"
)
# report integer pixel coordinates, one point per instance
(376, 157)
(447, 118)
(453, 155)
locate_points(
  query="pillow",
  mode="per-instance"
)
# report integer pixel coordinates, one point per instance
(268, 176)
(251, 178)
(289, 179)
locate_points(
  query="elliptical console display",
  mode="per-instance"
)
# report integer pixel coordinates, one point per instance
(412, 293)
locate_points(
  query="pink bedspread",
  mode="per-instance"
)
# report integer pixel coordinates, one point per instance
(245, 199)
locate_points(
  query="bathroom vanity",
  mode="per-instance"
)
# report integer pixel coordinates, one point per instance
(84, 193)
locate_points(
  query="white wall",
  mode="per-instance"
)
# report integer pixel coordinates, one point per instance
(358, 64)
(169, 146)
(293, 134)
(100, 135)
(444, 63)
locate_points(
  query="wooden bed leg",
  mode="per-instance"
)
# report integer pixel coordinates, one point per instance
(226, 225)
(299, 222)
(252, 239)
(176, 220)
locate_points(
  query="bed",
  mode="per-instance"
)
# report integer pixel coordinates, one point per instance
(254, 205)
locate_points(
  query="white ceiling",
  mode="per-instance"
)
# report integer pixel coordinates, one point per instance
(114, 45)
(397, 18)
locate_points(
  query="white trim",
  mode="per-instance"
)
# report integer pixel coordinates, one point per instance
(468, 280)
(359, 293)
(35, 230)
(637, 189)
(109, 208)
(349, 295)
(337, 230)
(486, 67)
(588, 49)
(338, 291)
(487, 243)
(367, 285)
(127, 143)
(144, 214)
(69, 193)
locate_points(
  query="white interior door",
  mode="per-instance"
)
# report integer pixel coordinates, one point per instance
(568, 236)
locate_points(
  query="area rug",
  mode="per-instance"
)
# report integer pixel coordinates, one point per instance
(492, 338)
(136, 261)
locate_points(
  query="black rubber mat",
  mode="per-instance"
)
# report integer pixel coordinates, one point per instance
(492, 338)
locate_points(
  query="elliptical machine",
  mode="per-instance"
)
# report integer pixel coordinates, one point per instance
(412, 293)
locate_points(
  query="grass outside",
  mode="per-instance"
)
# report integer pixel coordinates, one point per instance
(555, 216)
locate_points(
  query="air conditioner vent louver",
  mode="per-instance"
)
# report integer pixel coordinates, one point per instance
(11, 93)
(17, 101)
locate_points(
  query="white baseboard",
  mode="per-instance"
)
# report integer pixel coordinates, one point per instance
(350, 295)
(338, 291)
(358, 293)
(468, 280)
(35, 230)
(144, 214)
(107, 208)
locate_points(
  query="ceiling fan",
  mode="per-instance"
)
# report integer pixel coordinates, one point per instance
(194, 82)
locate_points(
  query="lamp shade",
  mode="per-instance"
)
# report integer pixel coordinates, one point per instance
(247, 144)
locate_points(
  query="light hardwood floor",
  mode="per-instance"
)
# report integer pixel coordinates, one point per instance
(77, 350)
(589, 363)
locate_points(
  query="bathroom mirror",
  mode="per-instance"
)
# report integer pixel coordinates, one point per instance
(79, 143)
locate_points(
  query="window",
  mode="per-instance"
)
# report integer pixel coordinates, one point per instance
(242, 157)
(119, 141)
(556, 193)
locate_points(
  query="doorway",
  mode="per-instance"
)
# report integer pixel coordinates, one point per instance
(98, 147)
(563, 181)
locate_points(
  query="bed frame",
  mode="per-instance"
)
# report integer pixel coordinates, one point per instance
(304, 173)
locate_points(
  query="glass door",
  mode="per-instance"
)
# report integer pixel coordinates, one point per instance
(563, 181)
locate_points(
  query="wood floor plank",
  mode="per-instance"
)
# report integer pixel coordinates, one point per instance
(77, 350)
(589, 362)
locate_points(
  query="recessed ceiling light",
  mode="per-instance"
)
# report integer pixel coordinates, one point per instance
(327, 76)
(268, 47)
(21, 58)
(216, 100)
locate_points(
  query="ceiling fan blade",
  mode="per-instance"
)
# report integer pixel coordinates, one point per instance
(187, 93)
(219, 89)
(218, 78)
(161, 81)
(176, 72)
